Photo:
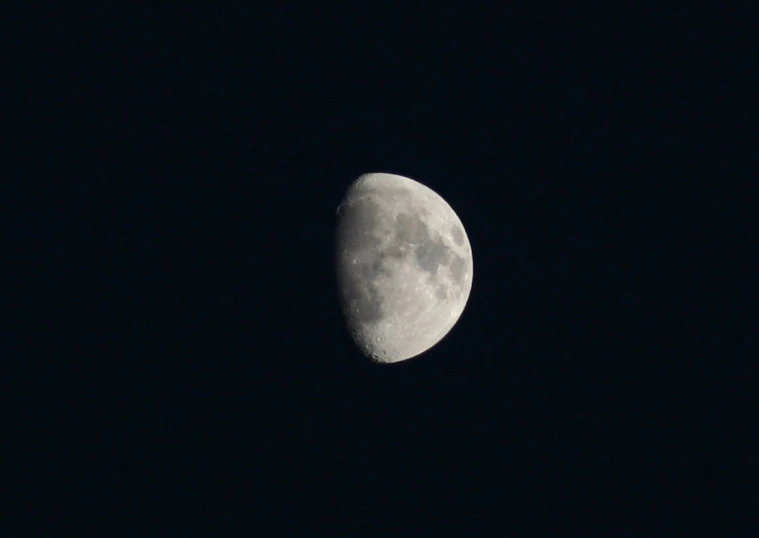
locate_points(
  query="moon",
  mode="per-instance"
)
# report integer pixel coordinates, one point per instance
(404, 266)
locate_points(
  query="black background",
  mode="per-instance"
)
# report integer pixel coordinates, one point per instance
(184, 369)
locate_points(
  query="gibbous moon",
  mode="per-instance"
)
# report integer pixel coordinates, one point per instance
(404, 266)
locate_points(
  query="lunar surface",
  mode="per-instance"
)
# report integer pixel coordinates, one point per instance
(404, 266)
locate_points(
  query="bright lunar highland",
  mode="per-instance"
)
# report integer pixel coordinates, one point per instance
(404, 266)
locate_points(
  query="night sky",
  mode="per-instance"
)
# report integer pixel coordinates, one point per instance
(183, 367)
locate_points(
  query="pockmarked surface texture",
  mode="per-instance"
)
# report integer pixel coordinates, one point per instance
(404, 266)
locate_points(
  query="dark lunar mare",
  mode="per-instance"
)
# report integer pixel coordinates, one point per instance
(430, 252)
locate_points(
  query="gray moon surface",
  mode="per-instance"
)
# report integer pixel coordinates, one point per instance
(404, 266)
